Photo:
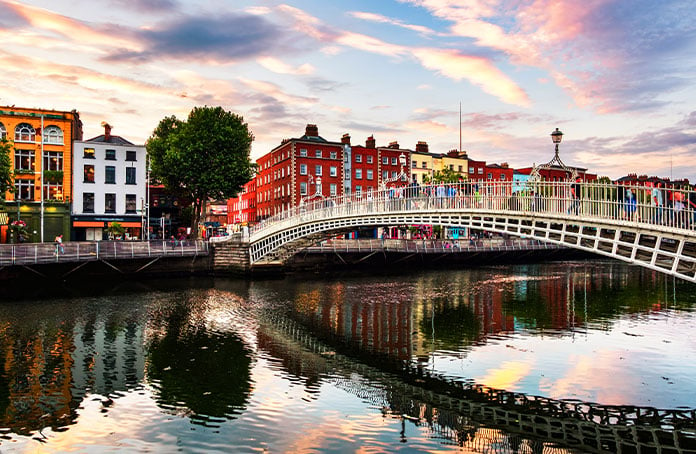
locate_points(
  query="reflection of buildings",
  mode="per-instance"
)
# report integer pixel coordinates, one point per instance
(373, 326)
(52, 368)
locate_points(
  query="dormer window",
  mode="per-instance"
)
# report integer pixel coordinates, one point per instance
(24, 132)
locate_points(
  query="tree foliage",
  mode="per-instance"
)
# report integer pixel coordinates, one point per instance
(6, 180)
(205, 157)
(445, 175)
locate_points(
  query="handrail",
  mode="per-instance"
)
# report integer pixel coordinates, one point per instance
(81, 251)
(660, 208)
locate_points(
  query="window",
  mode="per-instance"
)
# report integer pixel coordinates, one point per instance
(471, 170)
(110, 155)
(480, 170)
(88, 202)
(53, 134)
(393, 174)
(110, 175)
(131, 205)
(358, 158)
(24, 189)
(385, 160)
(317, 170)
(369, 174)
(502, 177)
(490, 176)
(109, 203)
(385, 174)
(358, 190)
(303, 169)
(333, 171)
(369, 159)
(3, 131)
(317, 153)
(332, 189)
(334, 155)
(358, 174)
(347, 174)
(424, 165)
(460, 169)
(25, 132)
(414, 164)
(24, 160)
(53, 160)
(451, 166)
(53, 191)
(88, 153)
(303, 188)
(303, 152)
(89, 174)
(393, 161)
(130, 156)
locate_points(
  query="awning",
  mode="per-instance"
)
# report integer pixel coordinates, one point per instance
(87, 224)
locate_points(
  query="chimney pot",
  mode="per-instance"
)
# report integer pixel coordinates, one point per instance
(370, 142)
(312, 131)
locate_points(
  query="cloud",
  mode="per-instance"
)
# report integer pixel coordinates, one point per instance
(277, 66)
(10, 18)
(221, 38)
(148, 5)
(477, 70)
(372, 17)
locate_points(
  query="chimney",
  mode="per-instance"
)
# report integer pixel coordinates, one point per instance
(453, 154)
(394, 145)
(370, 142)
(422, 147)
(345, 139)
(312, 131)
(107, 131)
(505, 165)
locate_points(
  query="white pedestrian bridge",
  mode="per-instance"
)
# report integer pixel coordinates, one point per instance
(640, 226)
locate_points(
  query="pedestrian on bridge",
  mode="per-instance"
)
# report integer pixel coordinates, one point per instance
(59, 244)
(575, 195)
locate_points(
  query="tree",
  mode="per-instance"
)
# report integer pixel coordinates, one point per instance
(205, 157)
(445, 175)
(6, 181)
(116, 230)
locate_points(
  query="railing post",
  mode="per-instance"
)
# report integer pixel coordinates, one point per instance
(97, 249)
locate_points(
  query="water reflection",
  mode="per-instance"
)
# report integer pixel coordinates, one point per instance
(348, 364)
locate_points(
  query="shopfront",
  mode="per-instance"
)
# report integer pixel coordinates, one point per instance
(96, 228)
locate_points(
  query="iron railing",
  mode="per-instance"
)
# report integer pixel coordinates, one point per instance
(82, 251)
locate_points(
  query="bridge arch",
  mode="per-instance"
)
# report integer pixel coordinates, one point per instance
(596, 224)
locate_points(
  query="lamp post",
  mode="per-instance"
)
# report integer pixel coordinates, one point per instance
(310, 182)
(556, 137)
(41, 183)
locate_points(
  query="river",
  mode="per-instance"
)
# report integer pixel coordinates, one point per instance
(526, 358)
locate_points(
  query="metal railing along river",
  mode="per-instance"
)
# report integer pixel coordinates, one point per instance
(426, 246)
(83, 251)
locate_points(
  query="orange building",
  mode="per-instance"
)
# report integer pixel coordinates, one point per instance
(42, 145)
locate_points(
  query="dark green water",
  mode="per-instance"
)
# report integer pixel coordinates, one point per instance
(494, 359)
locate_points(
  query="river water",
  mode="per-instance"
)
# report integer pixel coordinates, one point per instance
(477, 360)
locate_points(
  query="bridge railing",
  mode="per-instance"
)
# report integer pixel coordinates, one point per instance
(428, 246)
(643, 205)
(82, 251)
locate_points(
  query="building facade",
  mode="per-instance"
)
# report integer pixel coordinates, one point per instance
(110, 185)
(41, 160)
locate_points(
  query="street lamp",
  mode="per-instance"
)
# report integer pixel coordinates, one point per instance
(311, 181)
(556, 137)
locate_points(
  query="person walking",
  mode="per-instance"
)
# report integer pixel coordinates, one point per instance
(59, 244)
(575, 194)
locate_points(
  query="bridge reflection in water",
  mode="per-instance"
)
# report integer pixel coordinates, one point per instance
(197, 351)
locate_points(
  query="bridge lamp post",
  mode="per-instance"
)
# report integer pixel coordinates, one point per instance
(556, 137)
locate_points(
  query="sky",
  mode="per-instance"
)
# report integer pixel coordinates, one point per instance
(617, 77)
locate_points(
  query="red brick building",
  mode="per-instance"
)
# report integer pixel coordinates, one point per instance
(242, 209)
(368, 167)
(296, 170)
(499, 172)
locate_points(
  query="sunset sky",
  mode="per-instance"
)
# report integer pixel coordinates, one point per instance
(618, 77)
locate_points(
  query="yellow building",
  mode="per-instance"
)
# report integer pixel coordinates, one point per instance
(42, 164)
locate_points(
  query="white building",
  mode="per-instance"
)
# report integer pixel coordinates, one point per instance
(109, 185)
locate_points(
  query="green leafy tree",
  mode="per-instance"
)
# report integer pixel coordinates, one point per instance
(6, 181)
(116, 230)
(205, 157)
(445, 176)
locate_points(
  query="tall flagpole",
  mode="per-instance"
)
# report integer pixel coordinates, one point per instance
(460, 126)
